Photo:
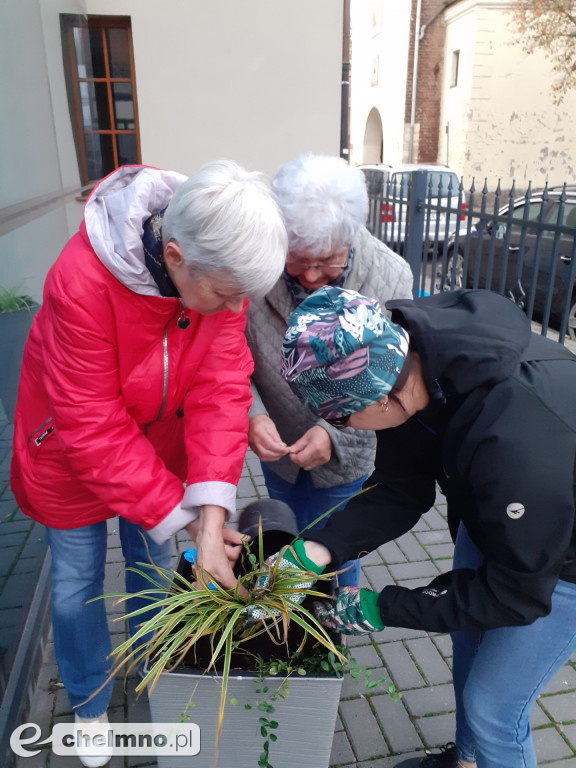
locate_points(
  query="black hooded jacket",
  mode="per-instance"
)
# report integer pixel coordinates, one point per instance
(499, 438)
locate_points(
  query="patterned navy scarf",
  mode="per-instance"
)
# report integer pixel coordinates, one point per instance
(153, 254)
(299, 293)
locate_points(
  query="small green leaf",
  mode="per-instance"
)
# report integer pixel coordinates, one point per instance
(273, 737)
(263, 732)
(233, 702)
(301, 671)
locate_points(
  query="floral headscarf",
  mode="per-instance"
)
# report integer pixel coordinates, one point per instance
(340, 353)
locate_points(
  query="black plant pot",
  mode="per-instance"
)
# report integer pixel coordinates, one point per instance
(279, 528)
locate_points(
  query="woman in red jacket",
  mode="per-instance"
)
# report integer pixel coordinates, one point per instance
(136, 380)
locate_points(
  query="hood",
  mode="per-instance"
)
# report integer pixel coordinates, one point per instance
(465, 338)
(115, 214)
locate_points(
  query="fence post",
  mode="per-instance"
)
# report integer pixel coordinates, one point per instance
(414, 239)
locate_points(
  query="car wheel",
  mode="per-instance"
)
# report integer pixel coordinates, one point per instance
(453, 278)
(572, 321)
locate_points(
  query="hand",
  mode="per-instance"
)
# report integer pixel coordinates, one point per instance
(293, 557)
(265, 440)
(354, 611)
(313, 449)
(218, 546)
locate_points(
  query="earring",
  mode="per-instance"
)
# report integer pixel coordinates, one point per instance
(384, 405)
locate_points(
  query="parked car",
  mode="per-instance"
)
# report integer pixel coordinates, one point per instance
(388, 187)
(526, 253)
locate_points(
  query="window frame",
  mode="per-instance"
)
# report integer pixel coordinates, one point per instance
(455, 66)
(69, 22)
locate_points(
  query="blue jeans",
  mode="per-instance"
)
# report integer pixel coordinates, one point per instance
(499, 673)
(81, 636)
(309, 502)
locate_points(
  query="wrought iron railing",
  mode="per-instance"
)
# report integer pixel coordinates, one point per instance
(522, 246)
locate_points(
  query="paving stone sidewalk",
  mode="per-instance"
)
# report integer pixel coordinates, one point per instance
(372, 731)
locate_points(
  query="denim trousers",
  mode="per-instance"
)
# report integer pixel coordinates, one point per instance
(498, 675)
(309, 502)
(80, 628)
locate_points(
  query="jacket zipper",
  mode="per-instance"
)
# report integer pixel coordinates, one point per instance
(165, 360)
(165, 364)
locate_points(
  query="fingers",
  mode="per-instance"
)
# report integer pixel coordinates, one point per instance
(223, 574)
(265, 440)
(313, 449)
(231, 536)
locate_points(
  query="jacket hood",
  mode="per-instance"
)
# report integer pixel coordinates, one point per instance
(115, 214)
(465, 338)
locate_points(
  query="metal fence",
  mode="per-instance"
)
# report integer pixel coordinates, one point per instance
(523, 247)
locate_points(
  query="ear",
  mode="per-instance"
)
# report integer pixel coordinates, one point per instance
(173, 255)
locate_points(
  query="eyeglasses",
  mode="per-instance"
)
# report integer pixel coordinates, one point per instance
(339, 422)
(302, 266)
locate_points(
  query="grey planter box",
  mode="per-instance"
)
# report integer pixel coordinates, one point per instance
(14, 327)
(306, 719)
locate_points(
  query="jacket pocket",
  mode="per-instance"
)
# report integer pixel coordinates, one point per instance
(40, 435)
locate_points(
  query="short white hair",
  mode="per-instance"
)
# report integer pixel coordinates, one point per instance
(324, 201)
(226, 220)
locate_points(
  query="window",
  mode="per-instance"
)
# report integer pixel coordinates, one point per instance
(454, 69)
(99, 68)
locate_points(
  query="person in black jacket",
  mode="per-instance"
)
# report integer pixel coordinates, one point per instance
(465, 396)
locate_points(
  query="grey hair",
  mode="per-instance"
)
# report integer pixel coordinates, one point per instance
(324, 201)
(226, 220)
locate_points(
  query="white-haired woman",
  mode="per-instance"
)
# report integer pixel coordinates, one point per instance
(135, 380)
(306, 462)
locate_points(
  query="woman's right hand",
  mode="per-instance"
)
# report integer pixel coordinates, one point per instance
(265, 440)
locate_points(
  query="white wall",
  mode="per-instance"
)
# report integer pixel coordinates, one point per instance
(257, 81)
(34, 218)
(503, 123)
(380, 33)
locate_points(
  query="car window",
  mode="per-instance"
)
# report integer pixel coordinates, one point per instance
(402, 181)
(375, 181)
(399, 183)
(450, 183)
(525, 212)
(568, 214)
(534, 208)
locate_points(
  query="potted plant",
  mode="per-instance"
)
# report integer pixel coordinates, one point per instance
(16, 314)
(268, 690)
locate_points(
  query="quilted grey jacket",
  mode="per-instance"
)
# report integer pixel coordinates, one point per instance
(376, 272)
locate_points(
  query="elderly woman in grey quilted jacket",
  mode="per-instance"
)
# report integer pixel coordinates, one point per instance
(307, 463)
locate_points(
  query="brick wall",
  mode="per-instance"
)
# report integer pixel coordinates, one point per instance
(429, 80)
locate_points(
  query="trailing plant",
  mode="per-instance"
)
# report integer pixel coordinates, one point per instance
(11, 301)
(325, 662)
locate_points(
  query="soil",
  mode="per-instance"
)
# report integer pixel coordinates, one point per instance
(263, 645)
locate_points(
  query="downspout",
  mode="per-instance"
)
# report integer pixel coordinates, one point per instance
(414, 80)
(345, 103)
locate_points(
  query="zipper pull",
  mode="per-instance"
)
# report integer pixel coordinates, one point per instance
(47, 432)
(183, 321)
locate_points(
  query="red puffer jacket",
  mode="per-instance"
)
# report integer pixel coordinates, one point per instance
(118, 406)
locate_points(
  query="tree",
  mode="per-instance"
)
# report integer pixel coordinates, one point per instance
(550, 25)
